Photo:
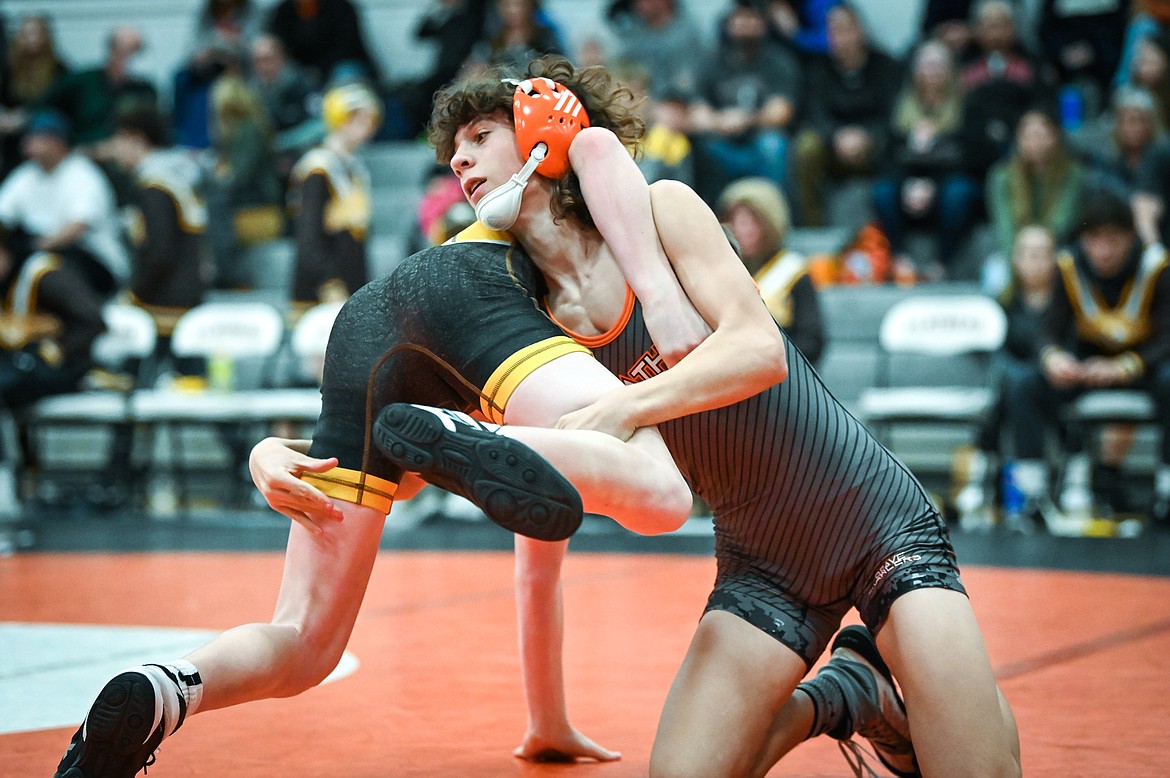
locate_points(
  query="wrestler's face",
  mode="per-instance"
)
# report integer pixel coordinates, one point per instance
(486, 155)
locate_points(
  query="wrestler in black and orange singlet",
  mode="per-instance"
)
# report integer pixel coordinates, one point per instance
(812, 515)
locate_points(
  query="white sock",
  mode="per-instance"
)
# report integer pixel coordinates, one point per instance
(173, 679)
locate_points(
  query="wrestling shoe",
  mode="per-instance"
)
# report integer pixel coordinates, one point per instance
(120, 733)
(874, 708)
(516, 487)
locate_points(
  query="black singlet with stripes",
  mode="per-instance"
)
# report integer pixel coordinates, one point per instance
(804, 498)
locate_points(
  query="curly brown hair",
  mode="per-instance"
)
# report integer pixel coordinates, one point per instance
(608, 103)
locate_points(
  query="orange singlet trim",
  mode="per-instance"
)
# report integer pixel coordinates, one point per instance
(595, 341)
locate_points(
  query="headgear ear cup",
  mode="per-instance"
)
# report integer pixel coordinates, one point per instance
(549, 113)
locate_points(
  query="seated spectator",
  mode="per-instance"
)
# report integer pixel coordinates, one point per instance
(1039, 183)
(926, 184)
(90, 99)
(804, 24)
(745, 104)
(319, 35)
(1025, 302)
(517, 36)
(1151, 194)
(170, 267)
(60, 261)
(949, 22)
(659, 36)
(1000, 83)
(454, 27)
(33, 64)
(286, 97)
(1108, 326)
(1114, 145)
(33, 61)
(243, 189)
(330, 201)
(223, 32)
(756, 213)
(1149, 69)
(1149, 18)
(1083, 41)
(58, 206)
(441, 212)
(846, 108)
(666, 151)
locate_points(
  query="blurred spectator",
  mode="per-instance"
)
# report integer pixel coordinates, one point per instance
(1039, 183)
(949, 22)
(454, 27)
(517, 36)
(170, 269)
(1151, 195)
(745, 103)
(442, 210)
(926, 184)
(33, 61)
(243, 189)
(998, 53)
(1083, 41)
(1116, 143)
(223, 32)
(1108, 326)
(91, 99)
(61, 259)
(32, 64)
(1149, 69)
(659, 36)
(1025, 302)
(1149, 18)
(846, 106)
(756, 212)
(319, 35)
(286, 97)
(666, 150)
(802, 23)
(330, 200)
(1000, 83)
(60, 202)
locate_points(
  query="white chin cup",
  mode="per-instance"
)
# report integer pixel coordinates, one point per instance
(499, 208)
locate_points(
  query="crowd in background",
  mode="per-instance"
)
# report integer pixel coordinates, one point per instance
(998, 149)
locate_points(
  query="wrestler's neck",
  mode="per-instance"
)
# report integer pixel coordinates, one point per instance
(586, 288)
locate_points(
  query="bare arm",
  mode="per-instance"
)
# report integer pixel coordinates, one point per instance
(742, 357)
(619, 201)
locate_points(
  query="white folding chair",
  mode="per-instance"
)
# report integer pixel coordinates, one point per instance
(935, 362)
(231, 334)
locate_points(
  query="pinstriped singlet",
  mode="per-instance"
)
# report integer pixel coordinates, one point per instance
(800, 490)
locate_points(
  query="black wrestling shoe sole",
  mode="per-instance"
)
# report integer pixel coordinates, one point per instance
(118, 740)
(516, 487)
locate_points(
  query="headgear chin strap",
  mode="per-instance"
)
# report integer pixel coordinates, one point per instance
(499, 208)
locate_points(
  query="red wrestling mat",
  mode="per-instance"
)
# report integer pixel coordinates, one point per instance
(1084, 659)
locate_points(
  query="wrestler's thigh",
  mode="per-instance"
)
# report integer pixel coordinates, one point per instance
(932, 643)
(732, 683)
(325, 576)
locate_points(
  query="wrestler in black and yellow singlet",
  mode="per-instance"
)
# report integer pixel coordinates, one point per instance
(459, 302)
